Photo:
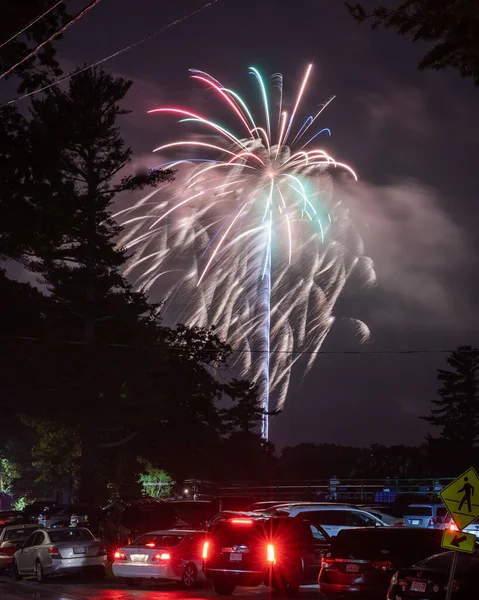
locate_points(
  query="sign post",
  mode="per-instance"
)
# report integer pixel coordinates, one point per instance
(461, 498)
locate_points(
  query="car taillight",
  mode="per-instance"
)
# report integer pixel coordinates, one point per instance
(242, 521)
(119, 556)
(455, 586)
(10, 550)
(150, 545)
(384, 565)
(101, 551)
(326, 562)
(54, 552)
(453, 527)
(162, 556)
(432, 521)
(270, 554)
(204, 554)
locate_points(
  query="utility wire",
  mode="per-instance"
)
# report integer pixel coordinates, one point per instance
(253, 351)
(76, 18)
(31, 23)
(115, 54)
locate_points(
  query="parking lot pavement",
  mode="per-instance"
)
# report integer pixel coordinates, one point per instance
(110, 589)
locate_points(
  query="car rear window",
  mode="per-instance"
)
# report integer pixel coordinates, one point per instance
(418, 511)
(75, 535)
(160, 541)
(12, 535)
(404, 546)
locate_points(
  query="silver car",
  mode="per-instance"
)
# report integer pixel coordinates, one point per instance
(13, 537)
(50, 552)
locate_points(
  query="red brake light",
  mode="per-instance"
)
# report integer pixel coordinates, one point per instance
(101, 551)
(119, 556)
(150, 545)
(204, 554)
(9, 550)
(54, 552)
(242, 521)
(432, 521)
(270, 554)
(162, 556)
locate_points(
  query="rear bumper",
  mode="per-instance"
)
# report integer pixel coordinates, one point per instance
(5, 561)
(145, 571)
(70, 565)
(247, 578)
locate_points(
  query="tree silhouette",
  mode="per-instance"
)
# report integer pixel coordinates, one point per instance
(456, 410)
(452, 26)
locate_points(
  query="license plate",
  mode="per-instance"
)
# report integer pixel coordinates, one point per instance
(418, 586)
(236, 556)
(79, 550)
(352, 568)
(415, 522)
(139, 557)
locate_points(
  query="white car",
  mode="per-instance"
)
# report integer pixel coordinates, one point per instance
(170, 555)
(332, 517)
(59, 551)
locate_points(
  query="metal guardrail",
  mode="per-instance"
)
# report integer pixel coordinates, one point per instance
(367, 490)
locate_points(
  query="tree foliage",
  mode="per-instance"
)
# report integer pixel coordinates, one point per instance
(451, 26)
(456, 410)
(155, 482)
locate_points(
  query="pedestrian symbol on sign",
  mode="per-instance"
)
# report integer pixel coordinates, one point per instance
(468, 490)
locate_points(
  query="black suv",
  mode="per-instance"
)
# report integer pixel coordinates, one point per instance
(281, 552)
(362, 561)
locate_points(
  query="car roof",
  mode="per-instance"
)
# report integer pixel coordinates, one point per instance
(321, 505)
(55, 529)
(428, 505)
(23, 526)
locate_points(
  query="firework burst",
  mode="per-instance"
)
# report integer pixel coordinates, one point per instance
(249, 237)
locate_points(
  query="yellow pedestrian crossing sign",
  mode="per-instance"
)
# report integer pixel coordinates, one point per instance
(459, 541)
(461, 498)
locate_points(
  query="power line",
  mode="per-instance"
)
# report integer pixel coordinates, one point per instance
(35, 20)
(414, 351)
(115, 54)
(35, 51)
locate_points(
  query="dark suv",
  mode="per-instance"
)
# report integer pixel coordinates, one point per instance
(362, 561)
(281, 552)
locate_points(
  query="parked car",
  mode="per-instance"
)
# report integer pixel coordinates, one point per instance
(381, 514)
(362, 561)
(331, 517)
(424, 515)
(13, 537)
(87, 516)
(171, 555)
(125, 520)
(12, 517)
(35, 508)
(60, 515)
(280, 552)
(59, 551)
(429, 578)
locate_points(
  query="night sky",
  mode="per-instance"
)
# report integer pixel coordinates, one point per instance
(412, 138)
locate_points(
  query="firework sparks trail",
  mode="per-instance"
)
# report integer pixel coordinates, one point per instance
(249, 238)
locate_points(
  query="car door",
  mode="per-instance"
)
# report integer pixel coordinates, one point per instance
(40, 549)
(358, 518)
(26, 559)
(317, 543)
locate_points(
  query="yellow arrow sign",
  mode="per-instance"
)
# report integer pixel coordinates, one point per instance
(461, 498)
(457, 540)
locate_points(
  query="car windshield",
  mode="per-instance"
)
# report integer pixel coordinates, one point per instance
(74, 535)
(418, 511)
(159, 540)
(13, 535)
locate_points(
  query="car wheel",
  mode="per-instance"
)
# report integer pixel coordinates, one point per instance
(223, 587)
(190, 576)
(39, 573)
(15, 572)
(133, 582)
